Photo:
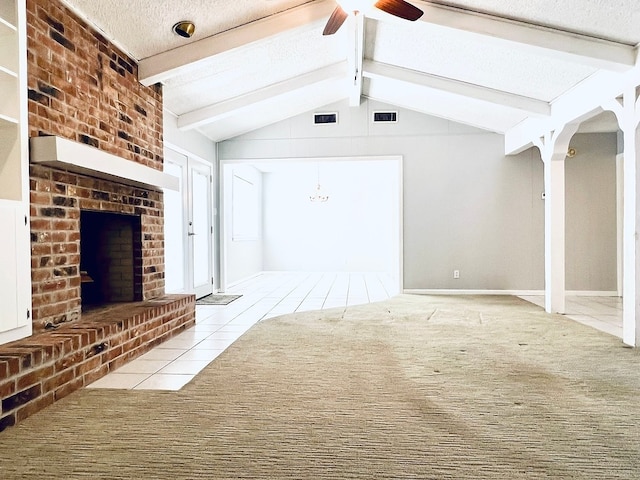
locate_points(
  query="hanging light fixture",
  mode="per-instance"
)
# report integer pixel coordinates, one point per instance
(318, 195)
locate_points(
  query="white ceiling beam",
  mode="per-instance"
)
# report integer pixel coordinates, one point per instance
(488, 124)
(224, 109)
(276, 109)
(582, 49)
(578, 104)
(531, 106)
(355, 57)
(158, 68)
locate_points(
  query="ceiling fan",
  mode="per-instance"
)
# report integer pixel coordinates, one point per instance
(399, 8)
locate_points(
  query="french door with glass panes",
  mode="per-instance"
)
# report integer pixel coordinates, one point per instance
(188, 225)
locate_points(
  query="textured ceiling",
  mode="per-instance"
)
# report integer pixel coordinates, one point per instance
(479, 62)
(143, 27)
(616, 20)
(266, 63)
(458, 55)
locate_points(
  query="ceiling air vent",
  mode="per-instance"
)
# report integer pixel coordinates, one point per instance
(325, 118)
(385, 117)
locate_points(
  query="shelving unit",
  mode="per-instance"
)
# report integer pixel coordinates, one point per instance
(15, 267)
(12, 143)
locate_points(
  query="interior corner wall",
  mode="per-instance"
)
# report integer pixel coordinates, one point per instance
(466, 206)
(187, 140)
(590, 182)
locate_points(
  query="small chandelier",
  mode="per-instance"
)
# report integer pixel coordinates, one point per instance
(318, 195)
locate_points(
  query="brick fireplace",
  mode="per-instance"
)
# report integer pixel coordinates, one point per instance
(58, 200)
(83, 89)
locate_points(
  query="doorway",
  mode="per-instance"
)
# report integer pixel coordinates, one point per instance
(188, 225)
(357, 229)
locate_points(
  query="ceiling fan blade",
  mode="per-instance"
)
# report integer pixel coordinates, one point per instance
(336, 20)
(400, 8)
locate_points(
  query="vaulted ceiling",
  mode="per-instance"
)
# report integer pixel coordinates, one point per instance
(498, 65)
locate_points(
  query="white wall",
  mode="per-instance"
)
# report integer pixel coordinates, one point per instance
(243, 256)
(590, 182)
(357, 229)
(466, 206)
(190, 140)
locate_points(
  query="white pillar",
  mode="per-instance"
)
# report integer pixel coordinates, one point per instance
(628, 114)
(554, 236)
(630, 281)
(553, 150)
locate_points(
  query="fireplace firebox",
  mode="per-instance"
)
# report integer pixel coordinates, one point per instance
(110, 258)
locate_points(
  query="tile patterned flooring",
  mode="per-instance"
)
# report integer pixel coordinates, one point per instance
(174, 363)
(601, 313)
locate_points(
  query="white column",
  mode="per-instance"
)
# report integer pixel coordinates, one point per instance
(628, 114)
(554, 236)
(553, 150)
(630, 245)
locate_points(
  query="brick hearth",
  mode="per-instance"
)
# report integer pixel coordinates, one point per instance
(41, 369)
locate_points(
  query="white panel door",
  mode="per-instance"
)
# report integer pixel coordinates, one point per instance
(200, 227)
(175, 226)
(188, 226)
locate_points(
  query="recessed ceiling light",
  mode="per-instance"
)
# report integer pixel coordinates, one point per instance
(184, 28)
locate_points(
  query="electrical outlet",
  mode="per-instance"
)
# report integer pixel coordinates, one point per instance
(456, 274)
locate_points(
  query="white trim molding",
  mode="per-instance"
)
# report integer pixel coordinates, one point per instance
(77, 157)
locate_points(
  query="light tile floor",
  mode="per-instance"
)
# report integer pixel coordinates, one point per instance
(601, 313)
(174, 363)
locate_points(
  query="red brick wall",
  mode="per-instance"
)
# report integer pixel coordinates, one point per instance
(83, 88)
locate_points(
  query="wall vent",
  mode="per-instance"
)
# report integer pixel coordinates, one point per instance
(385, 117)
(325, 118)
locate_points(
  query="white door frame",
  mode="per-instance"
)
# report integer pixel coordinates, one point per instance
(194, 162)
(206, 170)
(223, 208)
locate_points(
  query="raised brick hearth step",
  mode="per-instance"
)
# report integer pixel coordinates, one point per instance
(41, 369)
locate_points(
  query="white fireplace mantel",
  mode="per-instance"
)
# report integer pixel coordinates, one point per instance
(80, 158)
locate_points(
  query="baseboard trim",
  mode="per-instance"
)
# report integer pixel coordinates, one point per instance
(444, 291)
(592, 293)
(519, 293)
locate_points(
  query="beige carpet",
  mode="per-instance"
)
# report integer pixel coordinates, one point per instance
(415, 387)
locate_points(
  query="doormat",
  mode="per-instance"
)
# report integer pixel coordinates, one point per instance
(217, 299)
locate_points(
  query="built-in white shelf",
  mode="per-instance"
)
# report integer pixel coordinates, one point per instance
(15, 285)
(6, 26)
(8, 45)
(9, 54)
(8, 14)
(9, 96)
(7, 121)
(10, 168)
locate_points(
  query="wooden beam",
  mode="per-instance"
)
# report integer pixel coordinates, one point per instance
(230, 107)
(355, 57)
(531, 106)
